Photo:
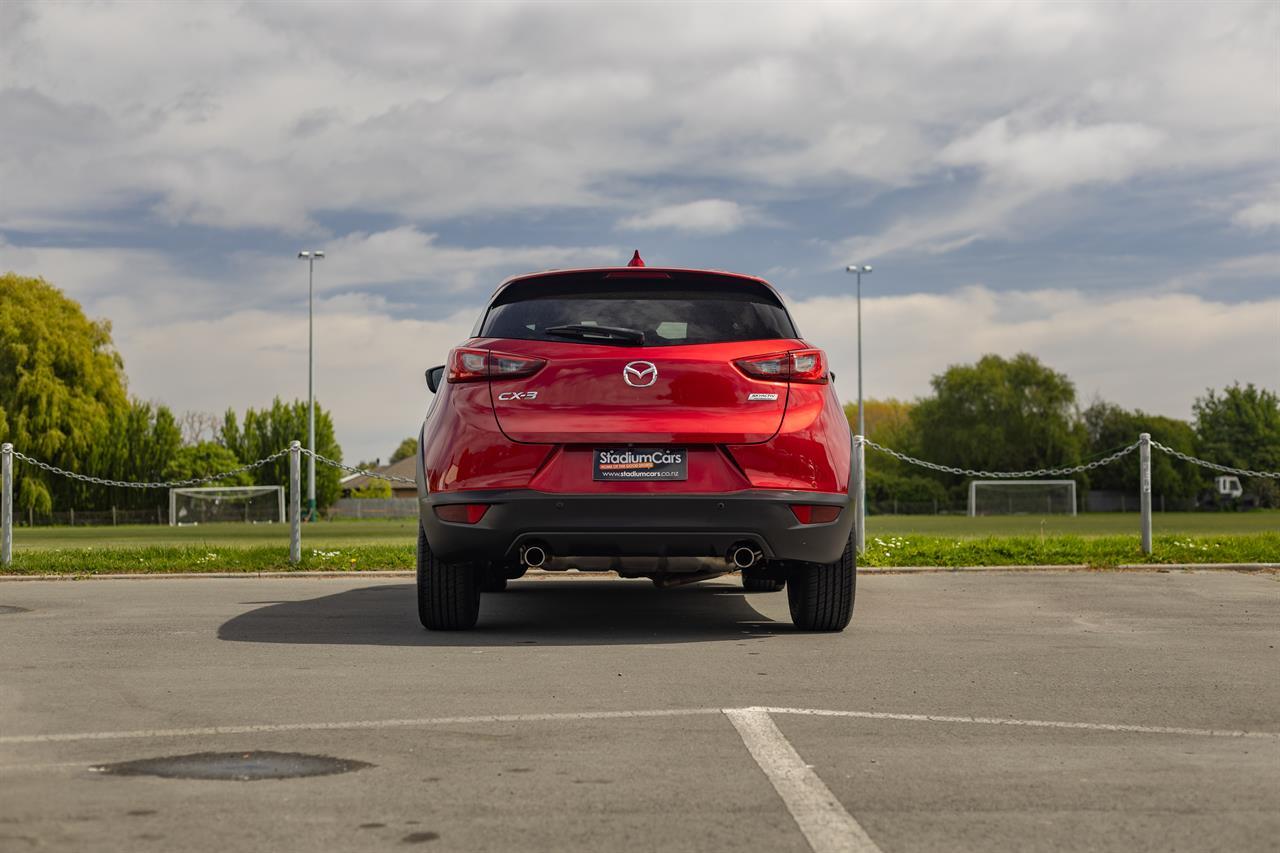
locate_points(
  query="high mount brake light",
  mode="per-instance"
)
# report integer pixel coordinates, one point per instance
(805, 365)
(474, 365)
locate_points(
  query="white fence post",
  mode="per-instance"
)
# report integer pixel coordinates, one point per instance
(1144, 488)
(6, 504)
(295, 502)
(859, 494)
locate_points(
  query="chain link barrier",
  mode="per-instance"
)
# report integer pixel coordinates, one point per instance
(1004, 475)
(324, 460)
(167, 484)
(1204, 463)
(212, 478)
(1076, 469)
(911, 460)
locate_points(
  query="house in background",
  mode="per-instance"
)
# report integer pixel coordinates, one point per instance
(403, 468)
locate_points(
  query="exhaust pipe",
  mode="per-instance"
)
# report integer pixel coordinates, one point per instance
(533, 556)
(744, 556)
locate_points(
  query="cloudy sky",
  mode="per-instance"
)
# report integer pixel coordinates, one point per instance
(1098, 184)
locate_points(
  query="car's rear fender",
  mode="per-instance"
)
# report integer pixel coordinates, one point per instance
(462, 447)
(812, 450)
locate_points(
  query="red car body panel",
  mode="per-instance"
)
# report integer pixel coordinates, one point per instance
(698, 397)
(808, 451)
(463, 448)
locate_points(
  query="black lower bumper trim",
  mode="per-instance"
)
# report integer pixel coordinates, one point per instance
(636, 525)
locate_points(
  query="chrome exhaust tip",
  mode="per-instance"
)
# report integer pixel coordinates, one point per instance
(744, 556)
(533, 556)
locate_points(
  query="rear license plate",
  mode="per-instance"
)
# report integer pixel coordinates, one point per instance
(641, 463)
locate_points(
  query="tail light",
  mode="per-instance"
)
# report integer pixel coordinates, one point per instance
(815, 513)
(473, 365)
(805, 365)
(461, 513)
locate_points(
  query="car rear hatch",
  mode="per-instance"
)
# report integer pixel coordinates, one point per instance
(639, 360)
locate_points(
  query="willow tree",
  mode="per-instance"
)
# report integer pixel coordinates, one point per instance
(61, 385)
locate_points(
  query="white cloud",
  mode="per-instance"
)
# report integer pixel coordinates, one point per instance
(708, 216)
(260, 116)
(1057, 156)
(409, 256)
(370, 360)
(154, 287)
(1155, 352)
(1259, 216)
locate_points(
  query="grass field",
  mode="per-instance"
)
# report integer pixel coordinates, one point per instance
(1097, 540)
(336, 534)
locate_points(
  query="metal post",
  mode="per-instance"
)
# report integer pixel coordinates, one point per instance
(1144, 488)
(295, 502)
(862, 424)
(311, 257)
(311, 394)
(859, 494)
(858, 270)
(6, 504)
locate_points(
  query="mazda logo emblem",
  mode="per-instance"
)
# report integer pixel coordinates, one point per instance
(640, 374)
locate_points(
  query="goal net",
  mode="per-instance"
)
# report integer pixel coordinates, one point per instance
(1022, 497)
(213, 504)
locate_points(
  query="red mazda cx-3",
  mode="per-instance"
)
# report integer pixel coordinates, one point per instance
(662, 423)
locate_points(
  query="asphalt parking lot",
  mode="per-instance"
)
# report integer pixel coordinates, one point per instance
(984, 712)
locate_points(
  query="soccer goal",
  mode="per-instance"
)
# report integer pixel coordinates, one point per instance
(1022, 497)
(212, 504)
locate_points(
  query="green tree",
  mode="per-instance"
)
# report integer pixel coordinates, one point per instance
(139, 447)
(1000, 415)
(270, 430)
(1241, 428)
(1111, 428)
(407, 448)
(889, 423)
(62, 386)
(374, 489)
(203, 459)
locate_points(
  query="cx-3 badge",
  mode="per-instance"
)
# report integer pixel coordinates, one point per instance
(640, 374)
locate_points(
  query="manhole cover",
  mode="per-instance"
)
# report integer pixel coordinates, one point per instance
(11, 608)
(238, 766)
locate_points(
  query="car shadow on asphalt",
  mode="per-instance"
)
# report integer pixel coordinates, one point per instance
(563, 613)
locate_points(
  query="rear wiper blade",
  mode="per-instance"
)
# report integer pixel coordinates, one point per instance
(597, 333)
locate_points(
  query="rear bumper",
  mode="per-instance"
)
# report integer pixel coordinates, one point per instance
(635, 525)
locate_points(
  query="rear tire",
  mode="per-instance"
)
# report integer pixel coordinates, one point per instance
(754, 580)
(821, 594)
(448, 593)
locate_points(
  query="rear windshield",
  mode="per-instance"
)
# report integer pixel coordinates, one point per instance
(667, 312)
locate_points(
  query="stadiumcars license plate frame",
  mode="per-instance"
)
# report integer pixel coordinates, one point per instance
(642, 464)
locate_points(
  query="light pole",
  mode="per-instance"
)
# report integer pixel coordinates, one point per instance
(311, 258)
(858, 270)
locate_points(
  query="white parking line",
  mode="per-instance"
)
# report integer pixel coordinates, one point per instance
(1038, 724)
(268, 728)
(824, 822)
